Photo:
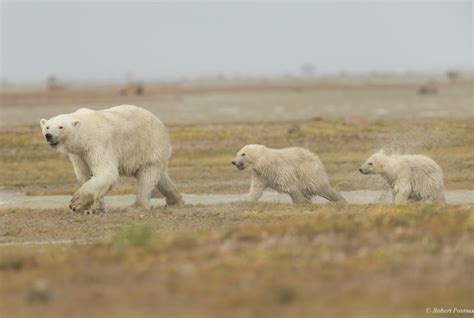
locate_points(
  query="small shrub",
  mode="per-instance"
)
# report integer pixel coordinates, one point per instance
(16, 263)
(135, 235)
(285, 295)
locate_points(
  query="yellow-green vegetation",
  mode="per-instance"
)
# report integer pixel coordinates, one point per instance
(239, 260)
(202, 152)
(134, 235)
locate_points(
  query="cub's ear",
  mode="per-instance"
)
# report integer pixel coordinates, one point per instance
(382, 151)
(76, 123)
(42, 122)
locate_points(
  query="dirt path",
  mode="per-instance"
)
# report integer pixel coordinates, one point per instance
(21, 200)
(46, 220)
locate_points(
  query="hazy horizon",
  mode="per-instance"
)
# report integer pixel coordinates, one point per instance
(159, 40)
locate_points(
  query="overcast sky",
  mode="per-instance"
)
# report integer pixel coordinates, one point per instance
(158, 40)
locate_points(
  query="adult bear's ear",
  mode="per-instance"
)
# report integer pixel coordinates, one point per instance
(42, 122)
(76, 123)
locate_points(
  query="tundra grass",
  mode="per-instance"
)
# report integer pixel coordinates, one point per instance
(202, 152)
(239, 260)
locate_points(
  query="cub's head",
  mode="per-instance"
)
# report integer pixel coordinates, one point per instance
(375, 164)
(248, 156)
(57, 130)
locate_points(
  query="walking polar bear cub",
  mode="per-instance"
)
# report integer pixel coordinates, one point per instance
(103, 145)
(295, 171)
(411, 177)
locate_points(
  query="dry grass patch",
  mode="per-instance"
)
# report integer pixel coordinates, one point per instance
(243, 260)
(200, 163)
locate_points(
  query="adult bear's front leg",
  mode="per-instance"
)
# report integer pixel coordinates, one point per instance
(105, 175)
(81, 169)
(83, 174)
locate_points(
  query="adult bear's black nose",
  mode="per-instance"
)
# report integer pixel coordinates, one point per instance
(48, 136)
(360, 170)
(233, 162)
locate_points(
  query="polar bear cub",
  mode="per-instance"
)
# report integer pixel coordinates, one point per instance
(295, 171)
(103, 145)
(411, 177)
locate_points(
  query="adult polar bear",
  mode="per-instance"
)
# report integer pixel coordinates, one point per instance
(103, 145)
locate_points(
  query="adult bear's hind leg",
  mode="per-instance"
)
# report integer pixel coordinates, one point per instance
(147, 177)
(166, 186)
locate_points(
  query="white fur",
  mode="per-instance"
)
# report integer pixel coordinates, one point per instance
(103, 145)
(411, 177)
(295, 171)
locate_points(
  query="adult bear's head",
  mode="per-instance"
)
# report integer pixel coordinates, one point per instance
(248, 156)
(58, 130)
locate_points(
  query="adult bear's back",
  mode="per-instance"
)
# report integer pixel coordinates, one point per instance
(136, 135)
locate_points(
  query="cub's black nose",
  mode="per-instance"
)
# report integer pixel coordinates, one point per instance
(360, 170)
(233, 162)
(48, 136)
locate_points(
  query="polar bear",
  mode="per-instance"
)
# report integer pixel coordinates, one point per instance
(411, 177)
(120, 141)
(295, 171)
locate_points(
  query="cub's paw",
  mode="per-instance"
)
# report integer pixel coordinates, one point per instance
(140, 206)
(176, 203)
(81, 201)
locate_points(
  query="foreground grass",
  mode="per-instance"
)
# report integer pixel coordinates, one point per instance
(202, 153)
(239, 260)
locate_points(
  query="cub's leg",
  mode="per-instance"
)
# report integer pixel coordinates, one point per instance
(439, 196)
(401, 193)
(257, 187)
(298, 197)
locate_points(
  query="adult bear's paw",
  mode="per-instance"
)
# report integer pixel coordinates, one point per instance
(81, 201)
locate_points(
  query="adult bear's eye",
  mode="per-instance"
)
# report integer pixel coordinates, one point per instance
(370, 163)
(47, 127)
(242, 154)
(60, 127)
